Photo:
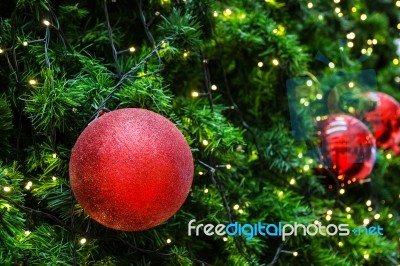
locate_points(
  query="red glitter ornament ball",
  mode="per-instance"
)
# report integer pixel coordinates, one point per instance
(347, 146)
(131, 169)
(385, 121)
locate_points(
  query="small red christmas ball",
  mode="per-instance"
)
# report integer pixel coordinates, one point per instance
(131, 169)
(347, 147)
(385, 120)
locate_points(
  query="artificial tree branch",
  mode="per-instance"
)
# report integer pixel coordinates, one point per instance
(128, 75)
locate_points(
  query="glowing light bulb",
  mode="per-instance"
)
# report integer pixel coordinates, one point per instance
(228, 166)
(169, 241)
(300, 155)
(27, 232)
(374, 41)
(353, 9)
(348, 209)
(214, 87)
(336, 1)
(54, 178)
(292, 181)
(366, 256)
(28, 185)
(348, 216)
(185, 54)
(395, 61)
(350, 44)
(206, 190)
(295, 253)
(388, 156)
(215, 14)
(329, 212)
(132, 49)
(340, 15)
(236, 207)
(328, 217)
(310, 5)
(46, 22)
(6, 189)
(225, 239)
(366, 221)
(316, 222)
(351, 35)
(25, 43)
(351, 84)
(363, 17)
(205, 142)
(240, 211)
(340, 244)
(363, 51)
(275, 62)
(309, 83)
(319, 97)
(32, 82)
(280, 193)
(337, 10)
(341, 191)
(398, 3)
(306, 167)
(227, 12)
(195, 94)
(54, 155)
(2, 51)
(82, 241)
(377, 216)
(368, 203)
(390, 216)
(260, 64)
(331, 65)
(369, 209)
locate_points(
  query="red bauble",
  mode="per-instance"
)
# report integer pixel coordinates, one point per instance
(385, 121)
(131, 169)
(348, 148)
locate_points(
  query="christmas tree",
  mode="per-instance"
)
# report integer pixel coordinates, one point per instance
(246, 82)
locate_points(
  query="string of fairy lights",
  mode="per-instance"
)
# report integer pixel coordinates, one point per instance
(351, 36)
(274, 62)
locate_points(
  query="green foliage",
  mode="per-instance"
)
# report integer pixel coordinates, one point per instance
(248, 167)
(183, 27)
(6, 125)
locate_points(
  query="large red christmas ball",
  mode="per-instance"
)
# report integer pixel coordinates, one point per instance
(131, 169)
(385, 120)
(347, 147)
